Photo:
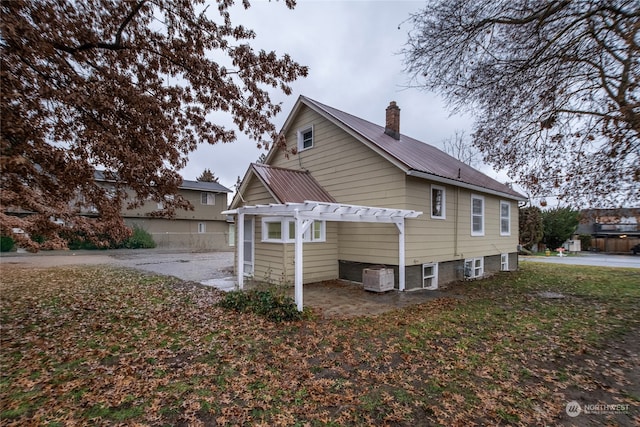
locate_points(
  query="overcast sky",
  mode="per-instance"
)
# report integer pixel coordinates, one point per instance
(352, 50)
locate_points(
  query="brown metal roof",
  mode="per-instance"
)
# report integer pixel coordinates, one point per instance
(291, 186)
(415, 155)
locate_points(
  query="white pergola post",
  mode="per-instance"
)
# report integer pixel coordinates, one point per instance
(301, 227)
(401, 262)
(240, 251)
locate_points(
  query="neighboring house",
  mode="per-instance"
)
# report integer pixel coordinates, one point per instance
(360, 195)
(203, 228)
(611, 230)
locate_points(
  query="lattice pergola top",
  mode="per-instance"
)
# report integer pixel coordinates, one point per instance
(324, 211)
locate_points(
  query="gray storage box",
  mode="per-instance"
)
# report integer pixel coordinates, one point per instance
(377, 279)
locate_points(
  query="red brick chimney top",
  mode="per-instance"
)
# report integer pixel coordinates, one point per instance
(392, 126)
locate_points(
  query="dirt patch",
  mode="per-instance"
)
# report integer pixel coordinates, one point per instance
(604, 382)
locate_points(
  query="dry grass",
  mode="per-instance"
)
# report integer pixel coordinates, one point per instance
(103, 346)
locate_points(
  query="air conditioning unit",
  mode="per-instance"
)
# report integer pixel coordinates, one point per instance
(377, 279)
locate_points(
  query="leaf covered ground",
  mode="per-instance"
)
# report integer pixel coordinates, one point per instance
(105, 346)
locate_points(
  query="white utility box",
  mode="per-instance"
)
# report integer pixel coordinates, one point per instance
(377, 279)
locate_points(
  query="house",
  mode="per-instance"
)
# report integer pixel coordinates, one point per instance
(611, 230)
(203, 228)
(346, 194)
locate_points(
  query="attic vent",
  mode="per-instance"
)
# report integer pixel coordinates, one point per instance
(392, 126)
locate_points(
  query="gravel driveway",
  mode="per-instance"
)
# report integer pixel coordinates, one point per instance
(209, 268)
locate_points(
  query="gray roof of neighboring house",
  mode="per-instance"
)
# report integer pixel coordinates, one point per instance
(291, 186)
(213, 187)
(414, 155)
(204, 186)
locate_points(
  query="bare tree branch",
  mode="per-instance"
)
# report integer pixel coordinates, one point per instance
(554, 88)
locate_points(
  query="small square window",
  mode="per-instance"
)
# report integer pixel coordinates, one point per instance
(202, 227)
(168, 198)
(430, 276)
(504, 262)
(274, 230)
(473, 268)
(305, 138)
(207, 198)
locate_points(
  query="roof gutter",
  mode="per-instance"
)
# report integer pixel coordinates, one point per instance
(468, 186)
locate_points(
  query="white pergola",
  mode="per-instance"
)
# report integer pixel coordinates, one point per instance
(309, 211)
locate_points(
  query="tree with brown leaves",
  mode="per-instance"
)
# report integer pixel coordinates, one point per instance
(553, 86)
(125, 87)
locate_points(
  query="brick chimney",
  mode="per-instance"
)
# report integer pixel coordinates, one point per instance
(392, 126)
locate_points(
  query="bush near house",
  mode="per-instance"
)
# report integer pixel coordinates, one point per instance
(139, 239)
(6, 244)
(268, 303)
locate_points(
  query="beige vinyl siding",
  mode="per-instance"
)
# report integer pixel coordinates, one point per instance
(434, 240)
(199, 212)
(269, 264)
(353, 174)
(372, 243)
(319, 258)
(492, 243)
(275, 261)
(427, 239)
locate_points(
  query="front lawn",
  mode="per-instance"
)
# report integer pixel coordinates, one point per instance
(102, 346)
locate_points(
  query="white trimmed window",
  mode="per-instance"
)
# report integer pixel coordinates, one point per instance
(473, 268)
(318, 231)
(272, 230)
(505, 218)
(477, 215)
(169, 198)
(305, 138)
(438, 202)
(283, 230)
(202, 227)
(504, 262)
(430, 276)
(207, 198)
